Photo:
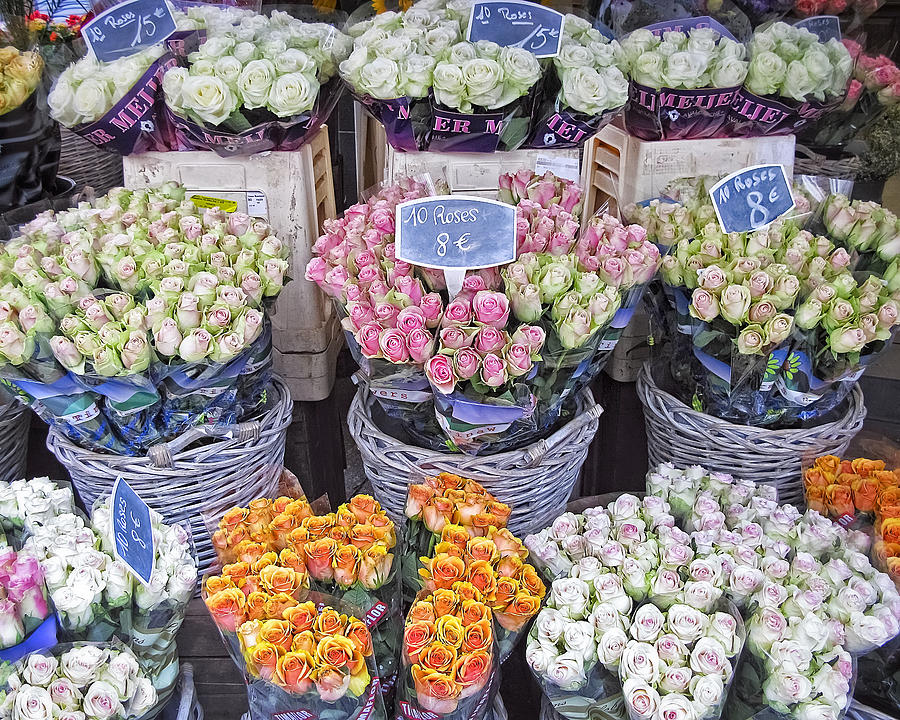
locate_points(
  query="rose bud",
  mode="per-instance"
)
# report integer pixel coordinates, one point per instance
(136, 354)
(493, 371)
(530, 335)
(439, 370)
(367, 338)
(65, 351)
(518, 360)
(392, 344)
(195, 346)
(420, 344)
(249, 325)
(431, 306)
(466, 362)
(489, 340)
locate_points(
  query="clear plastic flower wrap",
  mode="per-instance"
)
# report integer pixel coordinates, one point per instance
(682, 81)
(26, 621)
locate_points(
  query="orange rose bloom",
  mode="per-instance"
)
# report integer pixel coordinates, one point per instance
(233, 518)
(499, 510)
(299, 508)
(248, 552)
(276, 579)
(302, 616)
(385, 530)
(298, 538)
(518, 612)
(437, 656)
(256, 605)
(215, 583)
(318, 525)
(474, 611)
(437, 513)
(449, 630)
(264, 560)
(220, 543)
(262, 660)
(529, 580)
(280, 529)
(890, 530)
(814, 477)
(482, 576)
(815, 499)
(839, 499)
(477, 636)
(448, 548)
(345, 517)
(482, 549)
(507, 543)
(466, 591)
(846, 479)
(344, 564)
(319, 554)
(864, 492)
(828, 464)
(304, 642)
(483, 522)
(228, 608)
(361, 536)
(476, 488)
(290, 559)
(277, 632)
(442, 570)
(893, 567)
(436, 692)
(506, 590)
(262, 507)
(422, 610)
(891, 511)
(471, 671)
(338, 534)
(329, 622)
(363, 506)
(455, 535)
(335, 650)
(865, 467)
(882, 551)
(416, 636)
(888, 496)
(280, 503)
(295, 670)
(249, 584)
(885, 478)
(449, 481)
(417, 496)
(360, 636)
(510, 566)
(444, 601)
(277, 604)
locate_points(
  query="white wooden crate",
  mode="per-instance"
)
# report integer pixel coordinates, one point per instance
(620, 169)
(294, 191)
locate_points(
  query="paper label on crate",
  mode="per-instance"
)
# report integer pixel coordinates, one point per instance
(454, 234)
(257, 205)
(517, 23)
(824, 27)
(207, 201)
(752, 198)
(132, 530)
(127, 28)
(563, 167)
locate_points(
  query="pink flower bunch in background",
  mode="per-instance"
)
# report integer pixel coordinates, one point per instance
(546, 190)
(23, 601)
(620, 254)
(875, 73)
(540, 229)
(475, 345)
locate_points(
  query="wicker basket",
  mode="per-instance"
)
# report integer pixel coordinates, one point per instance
(809, 162)
(87, 164)
(15, 420)
(184, 704)
(678, 434)
(243, 463)
(536, 480)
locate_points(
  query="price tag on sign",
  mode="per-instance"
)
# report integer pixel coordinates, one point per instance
(824, 27)
(127, 28)
(752, 198)
(455, 233)
(517, 23)
(132, 531)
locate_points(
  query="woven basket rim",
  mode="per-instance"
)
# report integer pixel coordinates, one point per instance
(272, 423)
(646, 383)
(363, 400)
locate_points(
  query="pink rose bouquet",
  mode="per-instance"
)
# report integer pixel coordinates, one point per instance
(23, 597)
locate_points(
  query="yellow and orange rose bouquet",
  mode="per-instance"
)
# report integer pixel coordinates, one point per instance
(844, 489)
(450, 664)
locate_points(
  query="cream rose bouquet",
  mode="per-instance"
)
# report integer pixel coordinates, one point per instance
(27, 502)
(75, 681)
(682, 83)
(20, 74)
(266, 83)
(793, 79)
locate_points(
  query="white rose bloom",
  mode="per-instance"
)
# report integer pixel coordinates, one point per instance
(62, 109)
(75, 607)
(380, 79)
(783, 689)
(578, 637)
(676, 707)
(707, 691)
(39, 669)
(216, 47)
(605, 617)
(173, 82)
(81, 664)
(143, 697)
(639, 661)
(92, 99)
(292, 94)
(32, 703)
(484, 83)
(647, 623)
(567, 671)
(416, 73)
(570, 596)
(701, 595)
(228, 68)
(815, 711)
(671, 650)
(521, 68)
(790, 656)
(550, 624)
(245, 52)
(865, 633)
(832, 686)
(728, 72)
(209, 98)
(575, 546)
(797, 83)
(611, 645)
(687, 623)
(540, 657)
(86, 67)
(101, 701)
(641, 699)
(675, 679)
(574, 55)
(588, 569)
(255, 82)
(809, 631)
(585, 91)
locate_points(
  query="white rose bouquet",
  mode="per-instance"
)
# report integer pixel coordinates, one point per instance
(590, 87)
(77, 681)
(265, 84)
(793, 79)
(90, 98)
(682, 83)
(24, 503)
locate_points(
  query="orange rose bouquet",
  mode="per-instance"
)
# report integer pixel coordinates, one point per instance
(846, 489)
(314, 658)
(493, 567)
(450, 663)
(438, 501)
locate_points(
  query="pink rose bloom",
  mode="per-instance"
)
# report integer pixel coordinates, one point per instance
(389, 252)
(439, 370)
(518, 360)
(493, 371)
(336, 278)
(383, 220)
(365, 257)
(361, 313)
(420, 344)
(560, 243)
(453, 338)
(466, 362)
(491, 308)
(431, 306)
(409, 319)
(316, 270)
(392, 344)
(853, 47)
(473, 284)
(590, 263)
(488, 340)
(434, 278)
(530, 335)
(378, 290)
(614, 271)
(372, 239)
(369, 274)
(352, 292)
(457, 313)
(522, 227)
(411, 287)
(386, 313)
(400, 269)
(367, 337)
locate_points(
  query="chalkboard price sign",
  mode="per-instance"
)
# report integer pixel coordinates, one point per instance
(824, 27)
(132, 530)
(517, 23)
(752, 198)
(127, 28)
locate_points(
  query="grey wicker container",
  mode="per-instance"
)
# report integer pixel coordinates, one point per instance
(87, 164)
(15, 420)
(184, 481)
(683, 436)
(536, 480)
